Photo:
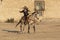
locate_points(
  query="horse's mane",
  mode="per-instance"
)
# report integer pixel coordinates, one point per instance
(31, 14)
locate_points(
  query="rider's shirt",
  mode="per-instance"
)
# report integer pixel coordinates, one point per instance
(25, 12)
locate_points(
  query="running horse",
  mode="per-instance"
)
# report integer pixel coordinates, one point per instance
(30, 21)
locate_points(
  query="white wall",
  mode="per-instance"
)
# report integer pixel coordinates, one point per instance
(10, 8)
(52, 9)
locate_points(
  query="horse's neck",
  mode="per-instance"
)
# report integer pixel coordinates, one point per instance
(33, 14)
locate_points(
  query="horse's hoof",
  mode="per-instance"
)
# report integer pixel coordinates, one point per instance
(28, 32)
(20, 32)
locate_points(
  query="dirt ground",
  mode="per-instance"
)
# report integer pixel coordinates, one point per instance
(44, 31)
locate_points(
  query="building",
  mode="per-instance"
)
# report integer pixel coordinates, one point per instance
(46, 8)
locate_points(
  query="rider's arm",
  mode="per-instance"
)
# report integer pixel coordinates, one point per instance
(21, 11)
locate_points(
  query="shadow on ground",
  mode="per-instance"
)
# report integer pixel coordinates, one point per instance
(12, 31)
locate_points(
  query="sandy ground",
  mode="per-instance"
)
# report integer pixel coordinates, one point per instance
(44, 31)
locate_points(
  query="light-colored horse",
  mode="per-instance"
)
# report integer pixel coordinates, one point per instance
(31, 20)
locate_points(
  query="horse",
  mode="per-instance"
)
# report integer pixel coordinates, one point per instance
(30, 21)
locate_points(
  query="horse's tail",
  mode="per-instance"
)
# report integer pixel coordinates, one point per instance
(18, 23)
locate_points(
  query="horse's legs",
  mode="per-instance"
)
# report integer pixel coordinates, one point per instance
(21, 27)
(34, 28)
(24, 28)
(28, 28)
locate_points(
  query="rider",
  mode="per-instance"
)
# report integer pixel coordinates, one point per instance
(25, 12)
